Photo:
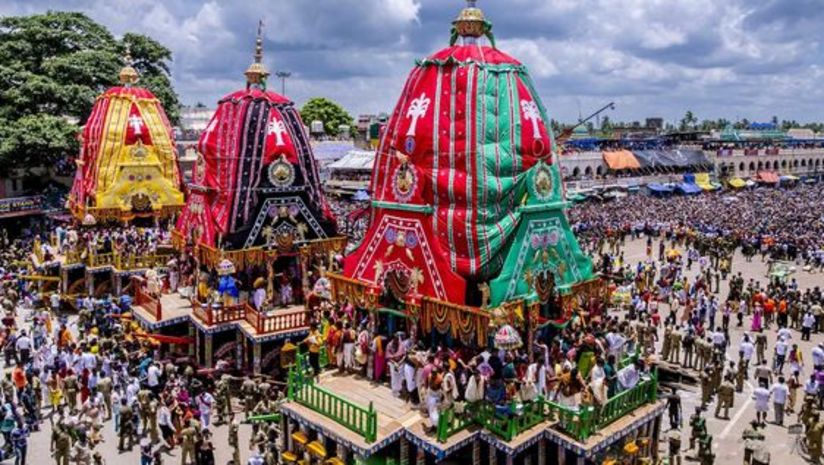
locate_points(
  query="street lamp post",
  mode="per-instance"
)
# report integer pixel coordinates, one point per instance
(283, 75)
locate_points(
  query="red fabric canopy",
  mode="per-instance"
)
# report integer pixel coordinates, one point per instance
(401, 243)
(477, 53)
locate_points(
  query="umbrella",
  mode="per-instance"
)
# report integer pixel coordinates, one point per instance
(361, 196)
(672, 253)
(507, 338)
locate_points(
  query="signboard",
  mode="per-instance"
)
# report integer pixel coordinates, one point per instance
(317, 127)
(19, 206)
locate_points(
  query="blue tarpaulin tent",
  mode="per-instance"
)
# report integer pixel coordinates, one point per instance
(688, 188)
(660, 190)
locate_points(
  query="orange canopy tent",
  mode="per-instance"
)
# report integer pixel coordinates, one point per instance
(768, 177)
(621, 160)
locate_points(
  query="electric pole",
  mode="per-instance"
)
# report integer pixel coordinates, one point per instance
(283, 75)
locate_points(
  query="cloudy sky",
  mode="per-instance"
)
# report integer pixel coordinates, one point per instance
(720, 58)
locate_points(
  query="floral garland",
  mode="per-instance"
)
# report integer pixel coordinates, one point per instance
(465, 326)
(441, 316)
(465, 323)
(345, 288)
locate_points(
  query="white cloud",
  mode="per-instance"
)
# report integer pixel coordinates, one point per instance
(749, 58)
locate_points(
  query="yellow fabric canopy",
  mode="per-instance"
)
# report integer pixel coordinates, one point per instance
(737, 183)
(703, 181)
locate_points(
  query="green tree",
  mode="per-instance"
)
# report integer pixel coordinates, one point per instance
(52, 67)
(329, 112)
(606, 127)
(689, 121)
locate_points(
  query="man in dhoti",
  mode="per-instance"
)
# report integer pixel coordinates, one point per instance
(395, 355)
(629, 376)
(410, 378)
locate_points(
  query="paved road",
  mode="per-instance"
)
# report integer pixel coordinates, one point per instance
(727, 444)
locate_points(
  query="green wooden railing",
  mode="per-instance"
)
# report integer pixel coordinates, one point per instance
(578, 423)
(627, 401)
(301, 388)
(264, 418)
(451, 422)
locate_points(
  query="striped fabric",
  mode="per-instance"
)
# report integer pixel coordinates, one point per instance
(120, 118)
(250, 130)
(470, 127)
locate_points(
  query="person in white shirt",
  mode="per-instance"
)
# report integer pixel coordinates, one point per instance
(153, 378)
(762, 403)
(719, 340)
(89, 361)
(116, 396)
(616, 343)
(818, 357)
(204, 404)
(628, 377)
(781, 349)
(131, 391)
(164, 422)
(779, 392)
(807, 324)
(811, 386)
(23, 346)
(748, 349)
(785, 334)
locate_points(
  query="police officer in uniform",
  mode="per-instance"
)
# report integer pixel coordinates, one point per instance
(126, 429)
(726, 398)
(233, 441)
(249, 391)
(61, 444)
(674, 441)
(187, 444)
(698, 426)
(706, 387)
(675, 353)
(70, 388)
(666, 346)
(104, 387)
(750, 436)
(740, 375)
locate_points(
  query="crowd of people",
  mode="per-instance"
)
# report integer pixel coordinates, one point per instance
(678, 301)
(783, 224)
(79, 374)
(101, 240)
(584, 363)
(668, 308)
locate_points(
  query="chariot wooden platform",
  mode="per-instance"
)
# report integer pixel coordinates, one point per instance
(354, 417)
